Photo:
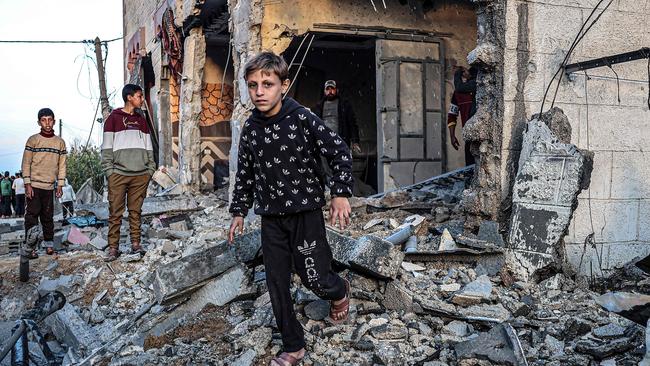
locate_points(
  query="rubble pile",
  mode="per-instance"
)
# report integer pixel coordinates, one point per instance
(424, 292)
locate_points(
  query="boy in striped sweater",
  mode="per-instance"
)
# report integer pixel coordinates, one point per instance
(128, 162)
(43, 165)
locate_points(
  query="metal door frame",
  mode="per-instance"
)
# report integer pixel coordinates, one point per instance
(381, 109)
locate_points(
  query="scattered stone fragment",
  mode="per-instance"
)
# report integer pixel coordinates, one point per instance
(412, 267)
(397, 298)
(373, 222)
(474, 292)
(317, 310)
(447, 242)
(610, 330)
(69, 328)
(499, 345)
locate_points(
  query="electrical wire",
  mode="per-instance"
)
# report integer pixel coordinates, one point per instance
(59, 42)
(92, 125)
(575, 42)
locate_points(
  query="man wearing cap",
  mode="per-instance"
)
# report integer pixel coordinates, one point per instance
(338, 115)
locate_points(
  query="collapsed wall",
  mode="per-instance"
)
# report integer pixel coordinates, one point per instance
(484, 130)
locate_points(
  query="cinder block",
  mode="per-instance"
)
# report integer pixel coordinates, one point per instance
(618, 128)
(630, 175)
(613, 221)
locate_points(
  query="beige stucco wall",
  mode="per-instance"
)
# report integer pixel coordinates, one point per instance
(617, 204)
(293, 17)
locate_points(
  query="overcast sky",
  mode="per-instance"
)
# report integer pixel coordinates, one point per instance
(58, 76)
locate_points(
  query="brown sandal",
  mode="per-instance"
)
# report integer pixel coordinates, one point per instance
(285, 359)
(339, 313)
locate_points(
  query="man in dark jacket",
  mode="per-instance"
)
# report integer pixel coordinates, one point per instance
(338, 115)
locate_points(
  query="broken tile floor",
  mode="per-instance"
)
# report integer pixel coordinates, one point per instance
(194, 300)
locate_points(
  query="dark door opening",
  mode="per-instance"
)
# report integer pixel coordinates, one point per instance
(350, 61)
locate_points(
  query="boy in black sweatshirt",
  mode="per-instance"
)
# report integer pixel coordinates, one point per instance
(278, 168)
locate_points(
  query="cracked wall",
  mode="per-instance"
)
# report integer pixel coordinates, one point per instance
(616, 205)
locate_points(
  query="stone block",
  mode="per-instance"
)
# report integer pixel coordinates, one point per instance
(630, 174)
(68, 327)
(229, 286)
(605, 135)
(187, 274)
(545, 191)
(368, 254)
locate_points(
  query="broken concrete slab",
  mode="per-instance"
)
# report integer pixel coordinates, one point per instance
(99, 243)
(474, 292)
(187, 274)
(368, 254)
(489, 232)
(490, 313)
(63, 283)
(396, 297)
(69, 328)
(544, 196)
(234, 284)
(500, 345)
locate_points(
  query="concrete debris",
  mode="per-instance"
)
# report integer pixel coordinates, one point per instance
(545, 194)
(368, 254)
(447, 242)
(71, 329)
(193, 296)
(500, 345)
(187, 274)
(474, 292)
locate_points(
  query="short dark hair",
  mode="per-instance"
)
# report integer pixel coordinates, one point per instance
(130, 89)
(45, 112)
(270, 62)
(6, 174)
(18, 175)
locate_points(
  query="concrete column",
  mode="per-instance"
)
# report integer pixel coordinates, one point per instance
(190, 110)
(164, 122)
(485, 129)
(245, 25)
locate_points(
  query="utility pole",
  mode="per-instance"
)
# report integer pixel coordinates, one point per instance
(103, 97)
(60, 128)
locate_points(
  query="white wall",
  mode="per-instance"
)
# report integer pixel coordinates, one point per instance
(617, 205)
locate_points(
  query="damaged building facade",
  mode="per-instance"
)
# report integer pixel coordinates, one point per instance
(394, 61)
